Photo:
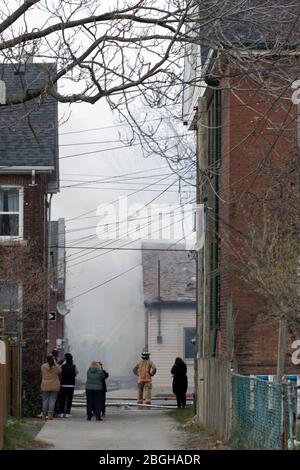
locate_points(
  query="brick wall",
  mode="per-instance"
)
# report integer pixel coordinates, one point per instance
(248, 143)
(34, 317)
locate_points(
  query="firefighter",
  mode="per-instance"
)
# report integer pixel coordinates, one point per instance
(144, 370)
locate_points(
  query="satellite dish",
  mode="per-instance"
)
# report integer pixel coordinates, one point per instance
(62, 308)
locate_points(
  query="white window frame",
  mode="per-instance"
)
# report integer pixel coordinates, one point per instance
(189, 360)
(19, 309)
(21, 212)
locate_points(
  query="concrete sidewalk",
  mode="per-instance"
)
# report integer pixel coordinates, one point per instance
(122, 429)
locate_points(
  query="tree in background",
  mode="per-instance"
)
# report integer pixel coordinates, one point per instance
(269, 262)
(23, 294)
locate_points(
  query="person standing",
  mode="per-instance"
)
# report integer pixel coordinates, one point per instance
(94, 391)
(180, 381)
(50, 386)
(55, 354)
(67, 385)
(144, 370)
(103, 400)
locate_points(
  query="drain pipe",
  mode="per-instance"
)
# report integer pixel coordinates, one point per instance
(216, 161)
(49, 276)
(159, 336)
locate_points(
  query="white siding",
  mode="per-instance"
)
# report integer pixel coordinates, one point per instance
(173, 322)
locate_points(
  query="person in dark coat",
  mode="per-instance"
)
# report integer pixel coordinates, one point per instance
(67, 385)
(106, 375)
(94, 391)
(180, 381)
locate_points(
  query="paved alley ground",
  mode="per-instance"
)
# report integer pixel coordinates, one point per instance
(122, 429)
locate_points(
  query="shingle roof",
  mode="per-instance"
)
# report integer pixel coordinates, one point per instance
(177, 279)
(248, 22)
(28, 132)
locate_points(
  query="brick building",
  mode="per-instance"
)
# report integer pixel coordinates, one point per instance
(244, 158)
(247, 135)
(170, 303)
(57, 268)
(28, 179)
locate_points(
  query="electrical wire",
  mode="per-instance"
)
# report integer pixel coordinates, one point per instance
(152, 200)
(112, 279)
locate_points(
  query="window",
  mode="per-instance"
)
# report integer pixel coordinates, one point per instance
(10, 306)
(11, 212)
(189, 346)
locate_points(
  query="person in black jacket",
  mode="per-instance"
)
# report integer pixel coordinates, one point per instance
(106, 375)
(67, 385)
(180, 381)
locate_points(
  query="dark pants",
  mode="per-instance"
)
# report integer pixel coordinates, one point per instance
(103, 403)
(57, 404)
(94, 403)
(181, 399)
(66, 398)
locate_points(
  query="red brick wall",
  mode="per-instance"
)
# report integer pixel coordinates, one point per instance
(248, 144)
(34, 321)
(34, 207)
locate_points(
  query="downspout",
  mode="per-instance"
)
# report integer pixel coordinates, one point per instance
(147, 312)
(216, 161)
(49, 274)
(159, 335)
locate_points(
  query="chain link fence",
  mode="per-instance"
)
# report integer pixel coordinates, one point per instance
(263, 413)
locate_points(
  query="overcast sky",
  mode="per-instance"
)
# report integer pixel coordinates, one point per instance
(107, 323)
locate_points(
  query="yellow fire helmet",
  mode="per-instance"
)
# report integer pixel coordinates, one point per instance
(145, 355)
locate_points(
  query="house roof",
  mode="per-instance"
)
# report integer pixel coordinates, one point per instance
(29, 131)
(177, 276)
(243, 27)
(249, 24)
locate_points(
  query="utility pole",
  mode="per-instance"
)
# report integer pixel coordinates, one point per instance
(281, 349)
(200, 227)
(201, 163)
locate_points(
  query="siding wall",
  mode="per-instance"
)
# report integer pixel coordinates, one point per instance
(173, 321)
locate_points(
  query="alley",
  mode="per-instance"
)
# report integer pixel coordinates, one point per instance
(122, 429)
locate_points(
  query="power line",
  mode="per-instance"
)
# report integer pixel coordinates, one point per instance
(115, 277)
(132, 231)
(125, 124)
(117, 189)
(90, 237)
(87, 237)
(148, 203)
(71, 247)
(126, 244)
(116, 200)
(119, 140)
(124, 174)
(116, 223)
(98, 151)
(104, 283)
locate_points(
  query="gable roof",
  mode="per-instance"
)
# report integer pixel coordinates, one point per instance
(248, 24)
(177, 275)
(29, 131)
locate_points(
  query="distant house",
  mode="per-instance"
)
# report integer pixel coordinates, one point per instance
(170, 310)
(57, 267)
(29, 176)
